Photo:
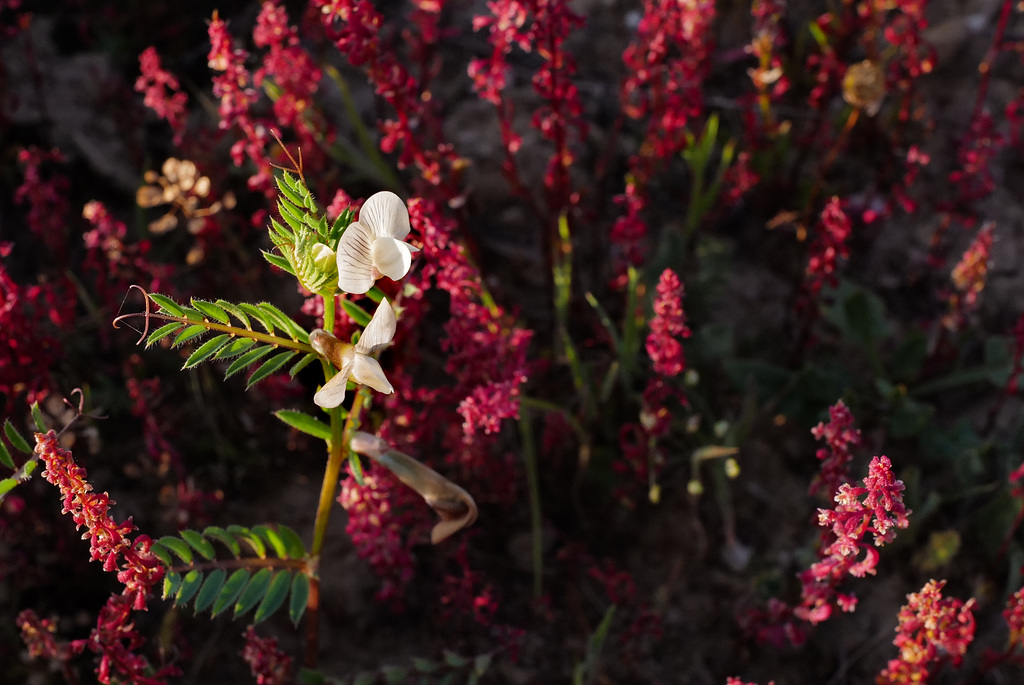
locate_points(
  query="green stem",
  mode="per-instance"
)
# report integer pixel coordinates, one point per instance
(328, 312)
(533, 486)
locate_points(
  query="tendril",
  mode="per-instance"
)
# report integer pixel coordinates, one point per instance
(121, 317)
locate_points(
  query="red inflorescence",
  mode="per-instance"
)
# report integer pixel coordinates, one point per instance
(162, 92)
(840, 437)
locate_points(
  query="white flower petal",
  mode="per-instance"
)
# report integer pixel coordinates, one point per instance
(391, 257)
(385, 215)
(355, 266)
(333, 392)
(379, 332)
(366, 370)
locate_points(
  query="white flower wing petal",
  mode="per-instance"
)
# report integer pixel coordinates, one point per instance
(333, 392)
(391, 257)
(366, 370)
(355, 264)
(379, 332)
(385, 215)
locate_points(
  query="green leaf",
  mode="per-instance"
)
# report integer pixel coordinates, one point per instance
(29, 468)
(162, 553)
(250, 357)
(162, 332)
(210, 590)
(206, 350)
(189, 587)
(200, 544)
(272, 537)
(236, 312)
(270, 366)
(356, 313)
(37, 417)
(189, 333)
(254, 591)
(230, 591)
(453, 659)
(295, 548)
(303, 363)
(305, 423)
(234, 348)
(178, 546)
(251, 539)
(211, 310)
(276, 594)
(299, 597)
(229, 541)
(278, 261)
(167, 304)
(172, 580)
(254, 312)
(5, 456)
(282, 320)
(17, 442)
(6, 485)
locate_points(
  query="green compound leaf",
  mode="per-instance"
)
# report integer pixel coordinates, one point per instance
(189, 587)
(250, 538)
(226, 538)
(172, 580)
(210, 590)
(276, 594)
(250, 357)
(299, 597)
(189, 333)
(254, 591)
(230, 591)
(178, 546)
(270, 366)
(167, 304)
(17, 441)
(162, 332)
(274, 538)
(200, 544)
(37, 417)
(304, 422)
(211, 310)
(236, 312)
(206, 350)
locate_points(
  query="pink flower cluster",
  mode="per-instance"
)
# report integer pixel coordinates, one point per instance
(162, 92)
(234, 87)
(114, 639)
(110, 543)
(880, 513)
(668, 325)
(932, 630)
(269, 664)
(969, 277)
(116, 263)
(829, 248)
(379, 519)
(840, 437)
(45, 191)
(27, 349)
(355, 27)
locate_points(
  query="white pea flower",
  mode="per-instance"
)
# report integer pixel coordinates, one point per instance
(372, 246)
(355, 361)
